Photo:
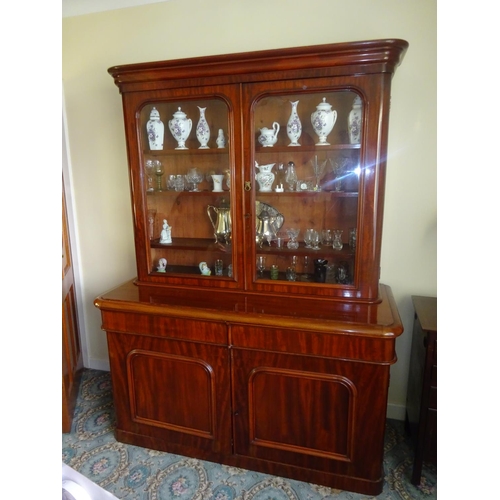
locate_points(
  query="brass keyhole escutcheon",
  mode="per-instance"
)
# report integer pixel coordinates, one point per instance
(248, 186)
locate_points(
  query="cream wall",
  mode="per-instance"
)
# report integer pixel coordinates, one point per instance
(186, 28)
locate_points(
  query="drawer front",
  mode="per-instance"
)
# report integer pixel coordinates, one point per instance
(330, 345)
(165, 326)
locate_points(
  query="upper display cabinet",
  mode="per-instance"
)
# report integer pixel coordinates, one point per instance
(261, 172)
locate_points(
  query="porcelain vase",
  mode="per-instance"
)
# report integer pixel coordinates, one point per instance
(217, 183)
(202, 130)
(156, 130)
(221, 140)
(294, 126)
(354, 121)
(323, 120)
(180, 127)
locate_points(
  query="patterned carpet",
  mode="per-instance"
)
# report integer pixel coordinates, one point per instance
(133, 473)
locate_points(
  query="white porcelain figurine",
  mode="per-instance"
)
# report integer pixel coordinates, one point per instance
(166, 233)
(162, 264)
(204, 269)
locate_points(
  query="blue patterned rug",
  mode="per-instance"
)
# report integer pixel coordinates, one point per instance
(133, 473)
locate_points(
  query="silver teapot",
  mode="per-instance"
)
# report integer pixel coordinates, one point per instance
(266, 230)
(221, 224)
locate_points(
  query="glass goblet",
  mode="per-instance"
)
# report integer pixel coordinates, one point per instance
(194, 176)
(150, 171)
(308, 237)
(318, 169)
(261, 264)
(315, 239)
(159, 171)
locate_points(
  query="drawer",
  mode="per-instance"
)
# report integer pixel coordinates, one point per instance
(213, 332)
(332, 345)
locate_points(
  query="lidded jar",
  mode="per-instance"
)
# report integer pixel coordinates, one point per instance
(354, 121)
(180, 127)
(323, 120)
(155, 130)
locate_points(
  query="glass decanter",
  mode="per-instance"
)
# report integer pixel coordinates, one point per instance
(291, 176)
(292, 233)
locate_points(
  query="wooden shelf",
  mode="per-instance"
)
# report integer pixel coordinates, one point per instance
(192, 244)
(303, 149)
(190, 151)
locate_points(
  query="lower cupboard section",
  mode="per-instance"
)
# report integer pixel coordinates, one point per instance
(171, 395)
(309, 412)
(310, 418)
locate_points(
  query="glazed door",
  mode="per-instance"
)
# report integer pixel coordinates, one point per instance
(310, 178)
(185, 177)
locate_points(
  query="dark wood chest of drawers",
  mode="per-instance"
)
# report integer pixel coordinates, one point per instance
(421, 402)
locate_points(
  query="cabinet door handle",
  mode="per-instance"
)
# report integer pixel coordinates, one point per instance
(248, 186)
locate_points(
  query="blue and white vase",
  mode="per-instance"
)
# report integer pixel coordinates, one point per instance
(354, 121)
(155, 130)
(202, 130)
(180, 127)
(294, 126)
(323, 120)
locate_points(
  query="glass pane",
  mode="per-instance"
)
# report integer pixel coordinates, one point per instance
(187, 185)
(307, 170)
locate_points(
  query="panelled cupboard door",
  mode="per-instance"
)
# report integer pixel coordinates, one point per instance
(71, 349)
(171, 395)
(310, 412)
